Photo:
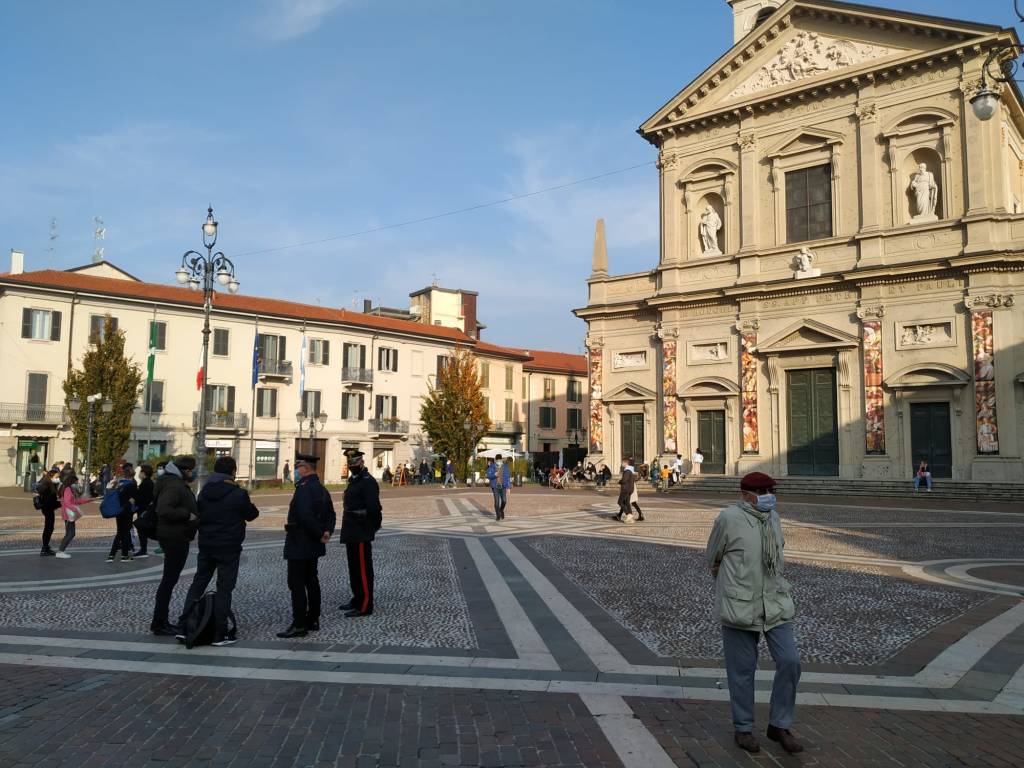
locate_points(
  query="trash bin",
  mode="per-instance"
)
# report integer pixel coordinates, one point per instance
(518, 481)
(27, 483)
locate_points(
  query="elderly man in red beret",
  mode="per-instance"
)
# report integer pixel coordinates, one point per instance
(751, 598)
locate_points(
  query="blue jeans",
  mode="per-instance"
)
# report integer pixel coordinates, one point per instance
(927, 481)
(741, 664)
(499, 502)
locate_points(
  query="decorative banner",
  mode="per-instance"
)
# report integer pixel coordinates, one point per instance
(984, 382)
(596, 391)
(748, 391)
(874, 398)
(668, 388)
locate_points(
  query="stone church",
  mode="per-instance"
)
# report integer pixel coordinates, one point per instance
(842, 244)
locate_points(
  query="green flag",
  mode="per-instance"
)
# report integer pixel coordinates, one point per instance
(151, 362)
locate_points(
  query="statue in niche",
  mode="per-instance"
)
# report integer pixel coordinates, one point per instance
(710, 224)
(924, 194)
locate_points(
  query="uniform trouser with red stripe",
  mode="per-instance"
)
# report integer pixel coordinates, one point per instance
(360, 574)
(304, 583)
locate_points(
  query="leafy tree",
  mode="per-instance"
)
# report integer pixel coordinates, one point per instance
(104, 369)
(454, 412)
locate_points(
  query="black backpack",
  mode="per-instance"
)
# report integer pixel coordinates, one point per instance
(198, 622)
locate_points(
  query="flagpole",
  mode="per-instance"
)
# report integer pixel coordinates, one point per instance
(252, 412)
(149, 395)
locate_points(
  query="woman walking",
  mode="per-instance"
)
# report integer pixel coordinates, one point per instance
(143, 499)
(70, 511)
(49, 503)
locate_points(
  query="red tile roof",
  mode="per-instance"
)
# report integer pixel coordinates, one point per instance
(108, 286)
(556, 362)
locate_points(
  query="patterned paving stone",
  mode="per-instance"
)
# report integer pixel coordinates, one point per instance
(846, 615)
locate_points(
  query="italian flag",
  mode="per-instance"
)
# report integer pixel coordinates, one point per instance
(200, 373)
(151, 362)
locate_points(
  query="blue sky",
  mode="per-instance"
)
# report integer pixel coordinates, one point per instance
(308, 119)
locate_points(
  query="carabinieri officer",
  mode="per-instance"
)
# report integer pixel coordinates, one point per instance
(360, 521)
(311, 521)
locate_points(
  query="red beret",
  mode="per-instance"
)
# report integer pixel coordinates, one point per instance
(757, 481)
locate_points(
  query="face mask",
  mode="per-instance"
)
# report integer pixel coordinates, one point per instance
(160, 473)
(499, 462)
(765, 502)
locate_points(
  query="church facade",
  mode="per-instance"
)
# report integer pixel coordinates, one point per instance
(842, 256)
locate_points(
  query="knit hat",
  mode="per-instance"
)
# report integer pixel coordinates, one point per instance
(757, 481)
(186, 463)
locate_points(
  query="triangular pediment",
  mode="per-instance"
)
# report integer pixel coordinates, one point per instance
(803, 140)
(807, 335)
(629, 393)
(807, 43)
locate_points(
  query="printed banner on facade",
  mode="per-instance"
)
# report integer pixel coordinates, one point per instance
(874, 398)
(668, 384)
(748, 387)
(984, 382)
(596, 393)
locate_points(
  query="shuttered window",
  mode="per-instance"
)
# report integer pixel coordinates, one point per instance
(37, 386)
(310, 403)
(352, 406)
(161, 333)
(266, 403)
(385, 407)
(547, 417)
(221, 341)
(320, 351)
(574, 418)
(40, 324)
(575, 391)
(153, 397)
(97, 326)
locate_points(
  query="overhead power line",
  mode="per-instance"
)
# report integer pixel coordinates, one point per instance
(446, 214)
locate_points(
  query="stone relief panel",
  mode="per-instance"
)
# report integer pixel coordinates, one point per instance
(629, 360)
(809, 54)
(668, 384)
(748, 389)
(707, 352)
(984, 382)
(874, 397)
(596, 393)
(917, 334)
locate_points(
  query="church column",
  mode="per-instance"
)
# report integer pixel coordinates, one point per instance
(984, 308)
(874, 396)
(870, 199)
(672, 248)
(749, 188)
(748, 385)
(595, 364)
(669, 384)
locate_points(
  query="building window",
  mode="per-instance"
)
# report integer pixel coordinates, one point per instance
(41, 324)
(487, 407)
(97, 327)
(485, 374)
(385, 407)
(574, 393)
(220, 398)
(161, 334)
(417, 363)
(547, 417)
(352, 406)
(38, 384)
(509, 409)
(809, 203)
(153, 397)
(509, 377)
(310, 403)
(221, 337)
(354, 356)
(442, 361)
(549, 389)
(574, 418)
(149, 449)
(266, 403)
(387, 359)
(319, 352)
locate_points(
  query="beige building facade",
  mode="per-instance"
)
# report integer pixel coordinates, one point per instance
(842, 252)
(365, 373)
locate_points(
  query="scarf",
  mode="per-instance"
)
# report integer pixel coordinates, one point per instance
(770, 545)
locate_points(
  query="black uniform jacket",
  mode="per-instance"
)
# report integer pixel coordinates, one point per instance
(310, 516)
(361, 515)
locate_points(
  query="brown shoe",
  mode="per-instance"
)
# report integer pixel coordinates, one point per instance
(745, 740)
(785, 738)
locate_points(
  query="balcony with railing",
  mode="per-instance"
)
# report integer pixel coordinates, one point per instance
(275, 369)
(506, 428)
(389, 427)
(223, 420)
(357, 376)
(27, 413)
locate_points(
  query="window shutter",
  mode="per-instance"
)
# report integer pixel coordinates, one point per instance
(362, 404)
(273, 402)
(156, 400)
(26, 323)
(281, 348)
(378, 406)
(161, 335)
(231, 400)
(394, 361)
(362, 356)
(327, 352)
(55, 326)
(113, 325)
(37, 388)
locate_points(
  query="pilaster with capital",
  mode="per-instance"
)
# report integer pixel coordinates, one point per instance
(748, 385)
(749, 187)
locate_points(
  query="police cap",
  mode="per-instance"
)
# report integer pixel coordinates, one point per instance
(306, 458)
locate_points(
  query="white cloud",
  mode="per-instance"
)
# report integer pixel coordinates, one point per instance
(289, 19)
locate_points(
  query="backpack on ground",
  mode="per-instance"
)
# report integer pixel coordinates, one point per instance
(198, 622)
(111, 504)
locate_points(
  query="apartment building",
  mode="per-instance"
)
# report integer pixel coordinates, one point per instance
(364, 374)
(555, 393)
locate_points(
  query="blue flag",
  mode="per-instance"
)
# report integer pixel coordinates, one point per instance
(255, 358)
(302, 373)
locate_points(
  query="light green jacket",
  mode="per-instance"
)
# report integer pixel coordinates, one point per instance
(745, 596)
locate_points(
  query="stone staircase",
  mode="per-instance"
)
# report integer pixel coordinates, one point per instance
(822, 486)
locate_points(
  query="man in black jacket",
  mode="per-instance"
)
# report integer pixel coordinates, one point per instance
(176, 519)
(224, 509)
(310, 524)
(360, 521)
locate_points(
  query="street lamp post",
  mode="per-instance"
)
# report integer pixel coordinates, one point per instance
(472, 427)
(316, 424)
(107, 406)
(985, 102)
(200, 272)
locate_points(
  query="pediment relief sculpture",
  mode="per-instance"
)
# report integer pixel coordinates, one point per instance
(809, 54)
(808, 335)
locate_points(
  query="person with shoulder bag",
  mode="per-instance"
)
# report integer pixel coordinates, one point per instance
(177, 518)
(70, 510)
(127, 490)
(48, 504)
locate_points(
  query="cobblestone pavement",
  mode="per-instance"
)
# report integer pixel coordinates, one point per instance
(557, 637)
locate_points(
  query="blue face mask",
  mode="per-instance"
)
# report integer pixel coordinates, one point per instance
(765, 502)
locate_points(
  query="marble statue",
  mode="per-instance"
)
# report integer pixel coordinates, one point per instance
(804, 262)
(924, 194)
(710, 224)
